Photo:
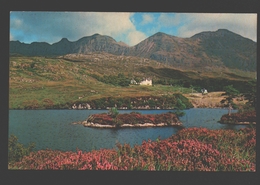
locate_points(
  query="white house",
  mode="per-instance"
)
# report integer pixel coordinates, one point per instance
(146, 82)
(204, 91)
(133, 82)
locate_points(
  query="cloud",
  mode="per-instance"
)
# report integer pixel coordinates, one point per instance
(16, 23)
(52, 26)
(147, 18)
(169, 20)
(128, 27)
(104, 23)
(135, 37)
(243, 24)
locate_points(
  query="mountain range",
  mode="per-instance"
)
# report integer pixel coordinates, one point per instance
(221, 48)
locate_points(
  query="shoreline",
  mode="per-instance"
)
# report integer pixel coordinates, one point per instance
(242, 118)
(238, 123)
(129, 109)
(144, 125)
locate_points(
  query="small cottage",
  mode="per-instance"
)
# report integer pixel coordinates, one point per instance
(204, 91)
(146, 82)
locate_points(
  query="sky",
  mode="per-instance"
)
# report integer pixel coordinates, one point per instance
(128, 27)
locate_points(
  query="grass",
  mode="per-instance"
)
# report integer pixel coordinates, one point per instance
(64, 80)
(61, 85)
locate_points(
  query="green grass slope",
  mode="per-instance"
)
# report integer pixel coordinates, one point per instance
(40, 82)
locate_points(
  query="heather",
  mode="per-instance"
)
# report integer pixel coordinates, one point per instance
(134, 118)
(192, 149)
(240, 117)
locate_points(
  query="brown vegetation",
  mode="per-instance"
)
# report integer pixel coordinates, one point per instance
(133, 119)
(211, 100)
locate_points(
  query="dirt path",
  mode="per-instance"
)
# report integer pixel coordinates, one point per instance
(211, 100)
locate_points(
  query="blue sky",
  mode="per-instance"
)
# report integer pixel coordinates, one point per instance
(129, 27)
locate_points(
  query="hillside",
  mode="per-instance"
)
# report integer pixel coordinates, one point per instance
(202, 52)
(59, 82)
(230, 48)
(178, 52)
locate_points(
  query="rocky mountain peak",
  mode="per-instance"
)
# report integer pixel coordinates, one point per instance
(206, 49)
(64, 40)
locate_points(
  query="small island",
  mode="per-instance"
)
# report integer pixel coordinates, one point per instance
(242, 118)
(113, 119)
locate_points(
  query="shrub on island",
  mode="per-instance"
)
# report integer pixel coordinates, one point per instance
(248, 117)
(133, 119)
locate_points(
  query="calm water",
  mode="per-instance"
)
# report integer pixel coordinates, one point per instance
(53, 129)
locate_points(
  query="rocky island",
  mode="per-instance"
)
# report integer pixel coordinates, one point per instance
(133, 119)
(243, 118)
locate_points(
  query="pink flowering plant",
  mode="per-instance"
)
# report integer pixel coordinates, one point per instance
(192, 149)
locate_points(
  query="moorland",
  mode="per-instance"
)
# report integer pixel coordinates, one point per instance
(96, 72)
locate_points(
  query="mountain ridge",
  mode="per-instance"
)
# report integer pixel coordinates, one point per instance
(204, 49)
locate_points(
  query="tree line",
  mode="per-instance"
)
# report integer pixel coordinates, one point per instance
(175, 101)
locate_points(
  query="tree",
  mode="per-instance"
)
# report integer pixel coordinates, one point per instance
(98, 103)
(119, 102)
(138, 80)
(123, 82)
(113, 112)
(16, 150)
(152, 103)
(250, 95)
(231, 93)
(180, 105)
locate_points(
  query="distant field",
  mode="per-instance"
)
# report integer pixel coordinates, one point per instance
(211, 100)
